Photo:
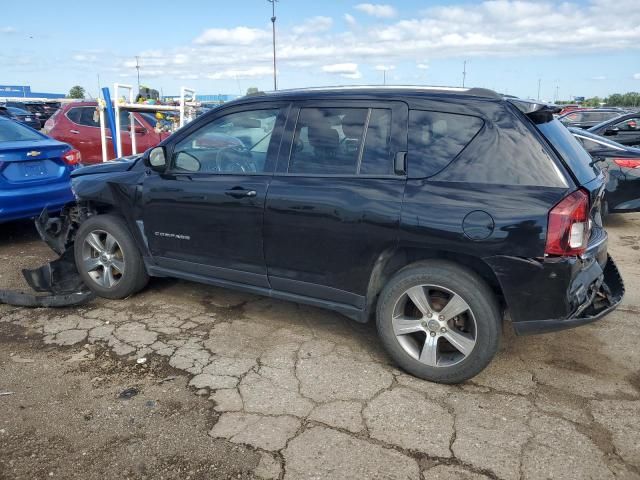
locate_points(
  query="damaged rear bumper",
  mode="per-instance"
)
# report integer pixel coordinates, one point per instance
(604, 296)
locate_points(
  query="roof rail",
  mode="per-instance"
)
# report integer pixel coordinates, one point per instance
(480, 92)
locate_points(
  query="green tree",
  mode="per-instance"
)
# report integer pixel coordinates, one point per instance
(76, 92)
(252, 90)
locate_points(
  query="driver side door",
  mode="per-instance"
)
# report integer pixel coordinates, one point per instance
(203, 217)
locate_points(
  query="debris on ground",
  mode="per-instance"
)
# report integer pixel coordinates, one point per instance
(129, 393)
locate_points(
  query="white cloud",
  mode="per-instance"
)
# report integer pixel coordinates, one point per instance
(314, 25)
(346, 68)
(7, 30)
(241, 73)
(384, 68)
(85, 58)
(599, 77)
(352, 76)
(350, 19)
(636, 76)
(377, 10)
(522, 28)
(231, 36)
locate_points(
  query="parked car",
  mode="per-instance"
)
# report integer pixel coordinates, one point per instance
(570, 108)
(622, 164)
(34, 172)
(78, 124)
(25, 117)
(434, 210)
(4, 112)
(587, 118)
(624, 129)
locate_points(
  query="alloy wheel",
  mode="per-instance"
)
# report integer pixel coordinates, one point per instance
(102, 258)
(434, 325)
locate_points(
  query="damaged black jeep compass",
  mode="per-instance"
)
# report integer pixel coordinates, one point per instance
(438, 212)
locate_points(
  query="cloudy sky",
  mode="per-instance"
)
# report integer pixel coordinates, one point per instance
(583, 47)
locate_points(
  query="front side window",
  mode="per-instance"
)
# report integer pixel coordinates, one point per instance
(436, 138)
(235, 143)
(342, 141)
(630, 125)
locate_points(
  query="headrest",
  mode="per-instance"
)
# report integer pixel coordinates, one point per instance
(323, 137)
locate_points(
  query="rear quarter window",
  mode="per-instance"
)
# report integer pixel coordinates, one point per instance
(573, 154)
(436, 138)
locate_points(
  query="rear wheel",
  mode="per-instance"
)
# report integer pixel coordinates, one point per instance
(108, 259)
(439, 321)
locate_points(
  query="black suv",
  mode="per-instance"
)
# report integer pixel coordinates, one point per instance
(434, 211)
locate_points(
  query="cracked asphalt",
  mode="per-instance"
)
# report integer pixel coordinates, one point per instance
(279, 390)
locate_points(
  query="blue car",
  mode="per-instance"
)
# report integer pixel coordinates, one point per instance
(34, 171)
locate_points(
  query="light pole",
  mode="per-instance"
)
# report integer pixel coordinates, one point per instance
(138, 69)
(464, 72)
(539, 82)
(273, 25)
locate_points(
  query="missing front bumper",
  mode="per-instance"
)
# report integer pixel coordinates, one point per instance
(57, 283)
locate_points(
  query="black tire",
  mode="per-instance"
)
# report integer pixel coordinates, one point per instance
(134, 277)
(478, 297)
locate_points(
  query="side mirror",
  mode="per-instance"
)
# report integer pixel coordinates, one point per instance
(156, 159)
(611, 131)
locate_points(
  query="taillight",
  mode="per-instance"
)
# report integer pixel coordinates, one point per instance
(568, 228)
(627, 162)
(71, 157)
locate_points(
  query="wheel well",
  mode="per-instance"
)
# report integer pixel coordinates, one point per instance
(392, 262)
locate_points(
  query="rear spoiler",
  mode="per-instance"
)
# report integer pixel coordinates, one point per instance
(538, 112)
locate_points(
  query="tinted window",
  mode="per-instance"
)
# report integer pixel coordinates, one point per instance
(435, 139)
(87, 116)
(589, 145)
(327, 140)
(11, 131)
(574, 156)
(377, 158)
(235, 143)
(572, 117)
(630, 125)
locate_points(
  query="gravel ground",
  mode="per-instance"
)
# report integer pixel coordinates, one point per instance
(238, 386)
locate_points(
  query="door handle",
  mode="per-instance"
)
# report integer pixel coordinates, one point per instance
(74, 131)
(240, 193)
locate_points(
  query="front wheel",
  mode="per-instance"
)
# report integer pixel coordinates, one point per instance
(439, 321)
(108, 259)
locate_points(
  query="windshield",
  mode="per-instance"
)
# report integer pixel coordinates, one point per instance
(11, 131)
(574, 156)
(18, 111)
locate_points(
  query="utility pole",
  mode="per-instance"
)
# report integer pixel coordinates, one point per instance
(464, 72)
(273, 25)
(138, 69)
(539, 83)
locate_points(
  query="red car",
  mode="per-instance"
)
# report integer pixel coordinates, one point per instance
(78, 124)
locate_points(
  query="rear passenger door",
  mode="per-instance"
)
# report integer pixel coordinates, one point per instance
(333, 206)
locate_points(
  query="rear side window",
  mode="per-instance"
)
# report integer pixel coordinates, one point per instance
(574, 156)
(86, 116)
(342, 141)
(435, 139)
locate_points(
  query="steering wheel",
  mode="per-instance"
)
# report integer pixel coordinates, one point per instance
(227, 160)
